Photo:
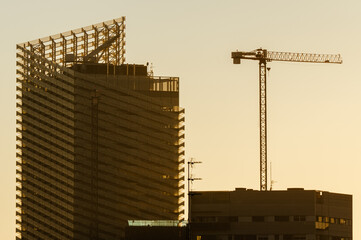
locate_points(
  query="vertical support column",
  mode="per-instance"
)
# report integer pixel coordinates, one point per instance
(263, 124)
(116, 58)
(64, 50)
(75, 47)
(42, 53)
(27, 63)
(123, 41)
(53, 50)
(85, 43)
(94, 228)
(107, 50)
(96, 38)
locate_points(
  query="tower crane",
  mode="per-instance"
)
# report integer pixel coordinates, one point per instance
(264, 56)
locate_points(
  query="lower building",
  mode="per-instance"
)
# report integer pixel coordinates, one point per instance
(245, 214)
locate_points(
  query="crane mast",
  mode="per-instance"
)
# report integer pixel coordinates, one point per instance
(264, 56)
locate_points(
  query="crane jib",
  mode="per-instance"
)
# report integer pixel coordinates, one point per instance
(304, 57)
(287, 56)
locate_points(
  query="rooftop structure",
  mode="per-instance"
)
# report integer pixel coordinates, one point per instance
(73, 46)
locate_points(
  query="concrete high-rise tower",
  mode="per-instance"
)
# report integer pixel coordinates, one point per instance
(98, 141)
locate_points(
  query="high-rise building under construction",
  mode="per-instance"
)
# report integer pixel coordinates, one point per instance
(98, 141)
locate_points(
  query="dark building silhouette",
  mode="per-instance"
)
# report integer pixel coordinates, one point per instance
(246, 214)
(99, 141)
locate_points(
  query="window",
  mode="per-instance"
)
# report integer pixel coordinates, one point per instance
(299, 218)
(258, 219)
(282, 218)
(233, 218)
(339, 238)
(321, 225)
(322, 237)
(299, 237)
(287, 237)
(245, 237)
(206, 219)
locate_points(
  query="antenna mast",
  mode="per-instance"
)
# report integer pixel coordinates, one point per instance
(190, 194)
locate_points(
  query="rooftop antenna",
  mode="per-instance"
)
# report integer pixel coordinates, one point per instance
(191, 178)
(150, 73)
(272, 181)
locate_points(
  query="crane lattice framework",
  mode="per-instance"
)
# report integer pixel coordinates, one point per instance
(102, 43)
(264, 56)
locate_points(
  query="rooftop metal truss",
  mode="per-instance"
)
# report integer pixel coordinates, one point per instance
(73, 46)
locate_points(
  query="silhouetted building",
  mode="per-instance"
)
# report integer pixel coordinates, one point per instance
(245, 214)
(99, 141)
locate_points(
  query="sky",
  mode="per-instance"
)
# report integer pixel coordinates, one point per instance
(313, 109)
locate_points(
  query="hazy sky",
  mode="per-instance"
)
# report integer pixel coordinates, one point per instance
(314, 112)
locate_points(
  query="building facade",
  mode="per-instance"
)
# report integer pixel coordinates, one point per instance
(99, 141)
(246, 214)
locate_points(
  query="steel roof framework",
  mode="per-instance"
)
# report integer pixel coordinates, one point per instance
(72, 46)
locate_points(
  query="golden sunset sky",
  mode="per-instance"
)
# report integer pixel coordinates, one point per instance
(314, 110)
